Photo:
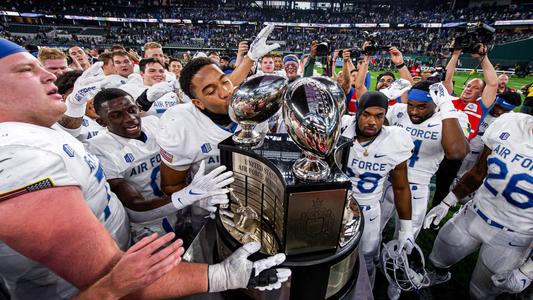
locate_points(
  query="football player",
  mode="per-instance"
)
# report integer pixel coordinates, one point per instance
(437, 130)
(129, 155)
(499, 220)
(377, 152)
(59, 222)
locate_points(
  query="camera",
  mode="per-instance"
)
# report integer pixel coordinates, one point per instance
(468, 38)
(374, 47)
(438, 75)
(323, 48)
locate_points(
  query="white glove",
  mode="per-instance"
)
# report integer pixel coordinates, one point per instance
(513, 281)
(237, 271)
(210, 203)
(112, 81)
(443, 101)
(397, 88)
(406, 239)
(135, 79)
(83, 90)
(203, 186)
(437, 213)
(158, 90)
(94, 74)
(258, 48)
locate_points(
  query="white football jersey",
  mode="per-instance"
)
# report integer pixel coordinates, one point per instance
(34, 158)
(135, 90)
(89, 129)
(427, 140)
(476, 146)
(506, 195)
(138, 162)
(187, 136)
(368, 172)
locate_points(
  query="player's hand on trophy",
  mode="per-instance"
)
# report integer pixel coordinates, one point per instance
(259, 47)
(204, 186)
(237, 271)
(514, 281)
(397, 88)
(437, 213)
(158, 90)
(406, 239)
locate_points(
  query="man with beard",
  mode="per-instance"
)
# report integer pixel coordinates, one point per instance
(437, 130)
(370, 162)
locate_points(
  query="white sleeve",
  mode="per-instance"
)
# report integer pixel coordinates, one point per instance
(464, 123)
(111, 169)
(492, 133)
(25, 169)
(391, 113)
(346, 121)
(176, 146)
(403, 146)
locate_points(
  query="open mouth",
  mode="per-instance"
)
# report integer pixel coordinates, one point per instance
(133, 129)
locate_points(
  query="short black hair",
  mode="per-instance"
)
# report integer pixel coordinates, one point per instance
(151, 60)
(423, 85)
(511, 98)
(188, 72)
(66, 81)
(386, 74)
(107, 94)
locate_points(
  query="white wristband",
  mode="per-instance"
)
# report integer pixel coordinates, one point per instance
(75, 110)
(152, 214)
(448, 111)
(406, 225)
(450, 200)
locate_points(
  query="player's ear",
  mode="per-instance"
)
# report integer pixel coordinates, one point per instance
(198, 103)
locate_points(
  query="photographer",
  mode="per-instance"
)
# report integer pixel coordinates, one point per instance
(477, 98)
(384, 80)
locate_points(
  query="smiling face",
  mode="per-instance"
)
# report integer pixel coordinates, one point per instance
(121, 116)
(472, 90)
(32, 95)
(153, 73)
(212, 89)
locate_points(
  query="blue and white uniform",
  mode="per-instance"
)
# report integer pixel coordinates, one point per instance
(32, 158)
(137, 162)
(499, 220)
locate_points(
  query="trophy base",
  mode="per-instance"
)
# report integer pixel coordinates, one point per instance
(247, 138)
(310, 170)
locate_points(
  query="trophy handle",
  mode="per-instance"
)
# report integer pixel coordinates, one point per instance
(310, 168)
(247, 136)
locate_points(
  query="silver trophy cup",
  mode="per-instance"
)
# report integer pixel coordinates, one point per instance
(335, 90)
(312, 118)
(254, 101)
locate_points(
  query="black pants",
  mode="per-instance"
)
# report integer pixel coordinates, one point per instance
(444, 178)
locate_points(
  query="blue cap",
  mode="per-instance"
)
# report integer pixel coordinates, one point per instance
(503, 103)
(419, 95)
(7, 48)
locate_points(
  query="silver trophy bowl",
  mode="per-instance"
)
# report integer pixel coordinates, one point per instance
(335, 90)
(312, 118)
(254, 101)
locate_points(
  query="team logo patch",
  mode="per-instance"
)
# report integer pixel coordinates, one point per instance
(68, 150)
(399, 115)
(471, 106)
(129, 157)
(167, 156)
(36, 186)
(206, 148)
(85, 122)
(504, 136)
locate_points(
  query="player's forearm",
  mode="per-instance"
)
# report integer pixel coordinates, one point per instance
(309, 67)
(100, 290)
(469, 183)
(346, 71)
(402, 201)
(454, 143)
(241, 72)
(70, 122)
(185, 279)
(361, 75)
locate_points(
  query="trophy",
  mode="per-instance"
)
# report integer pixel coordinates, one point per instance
(272, 200)
(312, 119)
(255, 100)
